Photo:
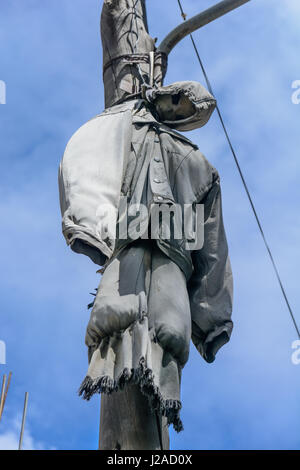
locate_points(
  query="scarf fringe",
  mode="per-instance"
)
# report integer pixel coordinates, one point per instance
(143, 377)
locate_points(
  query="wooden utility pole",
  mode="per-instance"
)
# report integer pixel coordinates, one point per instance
(126, 420)
(4, 393)
(23, 421)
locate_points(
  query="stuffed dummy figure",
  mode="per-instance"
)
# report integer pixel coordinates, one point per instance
(165, 282)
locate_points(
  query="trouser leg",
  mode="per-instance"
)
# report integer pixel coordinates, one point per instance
(127, 422)
(169, 306)
(151, 351)
(122, 294)
(144, 270)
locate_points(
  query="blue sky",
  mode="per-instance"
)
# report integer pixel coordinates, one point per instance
(50, 60)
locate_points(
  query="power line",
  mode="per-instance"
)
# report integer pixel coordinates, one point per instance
(243, 180)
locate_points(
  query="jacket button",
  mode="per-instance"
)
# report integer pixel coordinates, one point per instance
(156, 180)
(159, 198)
(157, 159)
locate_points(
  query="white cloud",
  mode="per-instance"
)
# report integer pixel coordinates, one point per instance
(9, 438)
(292, 5)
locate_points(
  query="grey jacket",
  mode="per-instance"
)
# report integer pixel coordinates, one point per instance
(125, 153)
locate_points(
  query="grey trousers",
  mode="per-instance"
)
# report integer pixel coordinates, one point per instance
(140, 328)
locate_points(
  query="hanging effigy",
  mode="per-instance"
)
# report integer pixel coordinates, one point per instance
(142, 202)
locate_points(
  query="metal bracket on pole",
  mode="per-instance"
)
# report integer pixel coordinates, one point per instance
(196, 22)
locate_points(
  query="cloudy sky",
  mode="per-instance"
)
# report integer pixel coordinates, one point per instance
(50, 60)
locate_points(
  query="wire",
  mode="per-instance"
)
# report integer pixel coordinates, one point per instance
(243, 181)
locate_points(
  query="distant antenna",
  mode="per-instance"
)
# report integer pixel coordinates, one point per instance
(4, 392)
(23, 421)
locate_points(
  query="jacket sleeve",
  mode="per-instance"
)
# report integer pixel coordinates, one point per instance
(210, 287)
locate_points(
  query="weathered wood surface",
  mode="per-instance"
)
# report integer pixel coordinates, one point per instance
(127, 423)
